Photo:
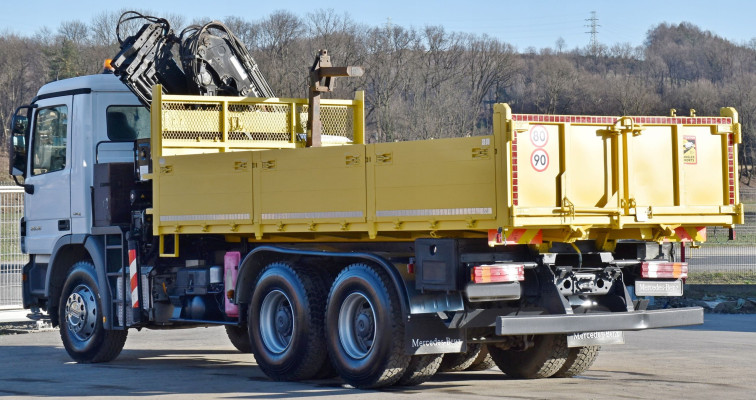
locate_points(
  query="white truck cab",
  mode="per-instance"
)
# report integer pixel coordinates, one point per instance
(75, 123)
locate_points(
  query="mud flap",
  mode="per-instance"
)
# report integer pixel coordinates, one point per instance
(427, 334)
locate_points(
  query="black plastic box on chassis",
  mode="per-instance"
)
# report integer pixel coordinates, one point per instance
(437, 264)
(113, 183)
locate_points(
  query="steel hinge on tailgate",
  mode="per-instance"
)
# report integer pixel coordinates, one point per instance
(515, 127)
(568, 208)
(624, 125)
(736, 128)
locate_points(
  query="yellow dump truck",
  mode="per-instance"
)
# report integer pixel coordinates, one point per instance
(381, 263)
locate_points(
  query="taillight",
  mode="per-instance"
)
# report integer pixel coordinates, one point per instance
(497, 273)
(664, 269)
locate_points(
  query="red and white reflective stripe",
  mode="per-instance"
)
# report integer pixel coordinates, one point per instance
(515, 195)
(515, 236)
(664, 269)
(690, 234)
(731, 168)
(134, 279)
(497, 273)
(584, 119)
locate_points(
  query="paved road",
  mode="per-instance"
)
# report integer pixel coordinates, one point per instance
(711, 361)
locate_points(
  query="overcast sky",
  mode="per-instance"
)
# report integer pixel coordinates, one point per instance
(522, 23)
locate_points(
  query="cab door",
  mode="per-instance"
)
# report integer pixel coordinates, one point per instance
(48, 208)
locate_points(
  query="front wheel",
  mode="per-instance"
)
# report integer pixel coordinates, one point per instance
(80, 315)
(364, 328)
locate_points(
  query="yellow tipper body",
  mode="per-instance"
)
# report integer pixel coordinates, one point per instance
(236, 167)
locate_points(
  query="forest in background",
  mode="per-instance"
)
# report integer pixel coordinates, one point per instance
(427, 82)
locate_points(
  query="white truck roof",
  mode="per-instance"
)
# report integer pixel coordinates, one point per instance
(98, 83)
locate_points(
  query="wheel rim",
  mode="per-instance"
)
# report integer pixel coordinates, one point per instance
(357, 326)
(276, 321)
(81, 312)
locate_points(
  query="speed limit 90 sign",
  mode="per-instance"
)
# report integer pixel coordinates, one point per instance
(539, 160)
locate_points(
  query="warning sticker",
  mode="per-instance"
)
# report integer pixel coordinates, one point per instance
(689, 150)
(539, 160)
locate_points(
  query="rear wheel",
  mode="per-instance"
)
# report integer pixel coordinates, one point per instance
(454, 362)
(420, 369)
(239, 337)
(80, 315)
(543, 360)
(365, 330)
(578, 361)
(483, 361)
(286, 322)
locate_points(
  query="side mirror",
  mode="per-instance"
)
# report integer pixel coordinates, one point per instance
(19, 140)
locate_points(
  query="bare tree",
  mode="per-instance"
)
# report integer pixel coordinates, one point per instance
(391, 50)
(490, 64)
(21, 74)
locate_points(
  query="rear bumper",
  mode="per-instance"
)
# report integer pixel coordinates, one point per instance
(619, 321)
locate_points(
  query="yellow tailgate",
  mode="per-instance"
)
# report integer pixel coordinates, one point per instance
(651, 174)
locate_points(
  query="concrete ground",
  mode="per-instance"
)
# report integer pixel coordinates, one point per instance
(715, 360)
(13, 315)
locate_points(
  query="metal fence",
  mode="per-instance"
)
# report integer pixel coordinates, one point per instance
(720, 260)
(11, 258)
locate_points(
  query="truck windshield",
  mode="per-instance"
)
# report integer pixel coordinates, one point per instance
(128, 123)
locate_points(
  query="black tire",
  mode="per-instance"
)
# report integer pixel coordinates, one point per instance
(420, 369)
(454, 362)
(327, 371)
(80, 316)
(239, 337)
(543, 360)
(286, 322)
(365, 328)
(578, 361)
(483, 361)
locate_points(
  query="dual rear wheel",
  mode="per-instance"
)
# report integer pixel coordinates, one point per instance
(302, 326)
(359, 336)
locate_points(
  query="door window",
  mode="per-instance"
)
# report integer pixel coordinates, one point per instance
(50, 140)
(128, 123)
